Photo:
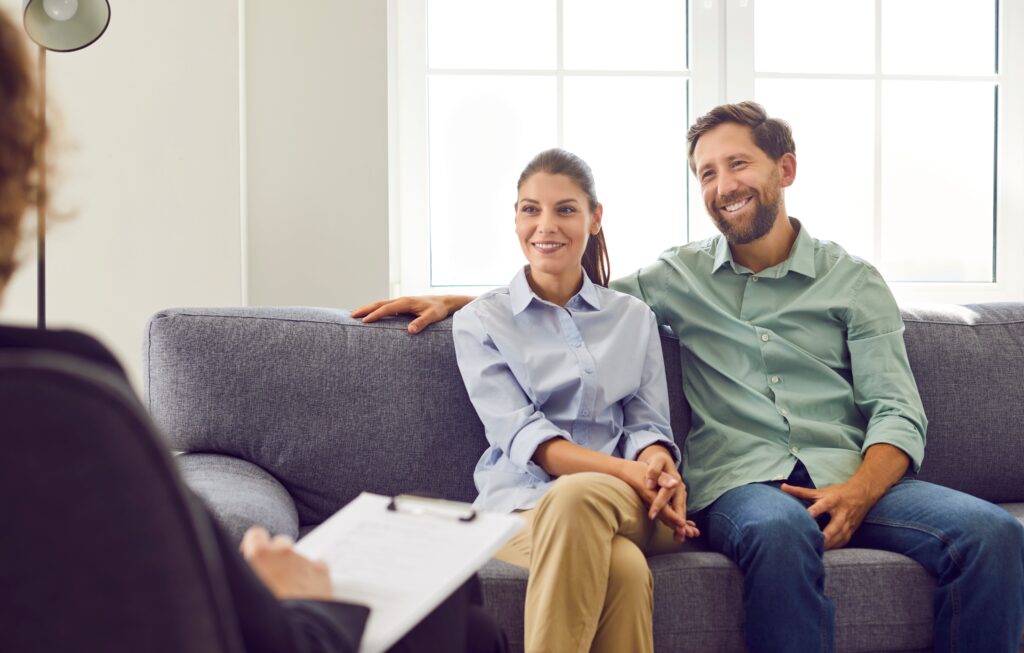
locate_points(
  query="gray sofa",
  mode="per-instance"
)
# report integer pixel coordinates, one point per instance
(286, 414)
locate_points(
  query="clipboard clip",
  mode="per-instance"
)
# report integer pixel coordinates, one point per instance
(416, 505)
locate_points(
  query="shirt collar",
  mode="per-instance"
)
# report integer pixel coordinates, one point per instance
(801, 257)
(522, 295)
(800, 260)
(723, 254)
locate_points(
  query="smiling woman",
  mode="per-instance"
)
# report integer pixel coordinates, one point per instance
(568, 379)
(558, 221)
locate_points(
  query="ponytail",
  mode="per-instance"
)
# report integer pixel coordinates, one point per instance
(595, 260)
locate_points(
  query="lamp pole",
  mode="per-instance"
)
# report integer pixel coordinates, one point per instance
(61, 26)
(41, 203)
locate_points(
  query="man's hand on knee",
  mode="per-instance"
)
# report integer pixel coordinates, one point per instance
(846, 504)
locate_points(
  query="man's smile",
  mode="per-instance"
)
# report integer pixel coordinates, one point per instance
(737, 205)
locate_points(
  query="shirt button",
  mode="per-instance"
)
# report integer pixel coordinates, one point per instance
(585, 413)
(753, 279)
(784, 412)
(577, 345)
(764, 337)
(775, 379)
(795, 450)
(589, 370)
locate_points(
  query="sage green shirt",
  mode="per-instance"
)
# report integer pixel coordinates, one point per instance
(802, 361)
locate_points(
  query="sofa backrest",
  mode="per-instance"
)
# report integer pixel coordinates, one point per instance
(332, 407)
(969, 365)
(328, 405)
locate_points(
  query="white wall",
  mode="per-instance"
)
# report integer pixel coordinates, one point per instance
(317, 152)
(151, 165)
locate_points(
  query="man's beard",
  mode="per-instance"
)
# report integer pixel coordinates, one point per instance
(759, 225)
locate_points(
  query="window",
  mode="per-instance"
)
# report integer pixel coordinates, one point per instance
(906, 115)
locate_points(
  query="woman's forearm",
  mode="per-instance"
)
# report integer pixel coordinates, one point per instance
(559, 457)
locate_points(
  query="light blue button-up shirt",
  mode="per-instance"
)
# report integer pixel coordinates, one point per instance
(592, 373)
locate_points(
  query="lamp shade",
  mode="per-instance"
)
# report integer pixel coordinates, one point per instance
(66, 25)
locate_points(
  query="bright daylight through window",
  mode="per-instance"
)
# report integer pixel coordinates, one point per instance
(903, 114)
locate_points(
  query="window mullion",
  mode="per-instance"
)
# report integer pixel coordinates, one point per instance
(707, 74)
(409, 153)
(707, 84)
(560, 73)
(739, 50)
(1010, 152)
(877, 186)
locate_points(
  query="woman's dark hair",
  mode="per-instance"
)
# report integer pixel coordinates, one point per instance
(559, 162)
(21, 142)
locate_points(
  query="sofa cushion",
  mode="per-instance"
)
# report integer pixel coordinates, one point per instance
(883, 601)
(968, 362)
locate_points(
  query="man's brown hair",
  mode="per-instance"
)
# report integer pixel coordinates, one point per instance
(21, 141)
(772, 136)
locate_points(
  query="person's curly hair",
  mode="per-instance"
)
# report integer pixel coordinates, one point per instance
(21, 141)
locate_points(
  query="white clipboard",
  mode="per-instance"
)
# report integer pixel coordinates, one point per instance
(403, 557)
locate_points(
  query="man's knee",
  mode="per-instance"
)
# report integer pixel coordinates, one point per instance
(998, 537)
(778, 528)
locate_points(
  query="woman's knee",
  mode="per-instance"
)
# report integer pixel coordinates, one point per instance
(628, 572)
(574, 492)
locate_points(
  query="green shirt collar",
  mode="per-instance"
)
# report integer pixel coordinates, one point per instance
(800, 260)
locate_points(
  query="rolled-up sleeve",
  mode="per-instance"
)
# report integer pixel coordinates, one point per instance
(884, 387)
(646, 413)
(511, 421)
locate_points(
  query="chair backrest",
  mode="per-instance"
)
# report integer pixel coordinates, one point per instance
(101, 548)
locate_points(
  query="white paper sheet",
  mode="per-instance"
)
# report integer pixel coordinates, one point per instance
(401, 565)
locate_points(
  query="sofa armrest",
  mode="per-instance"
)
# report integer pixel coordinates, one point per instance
(239, 494)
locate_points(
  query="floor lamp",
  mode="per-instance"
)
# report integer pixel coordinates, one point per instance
(61, 26)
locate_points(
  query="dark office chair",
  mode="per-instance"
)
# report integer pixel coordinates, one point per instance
(100, 547)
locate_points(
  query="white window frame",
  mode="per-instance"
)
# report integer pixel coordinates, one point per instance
(717, 74)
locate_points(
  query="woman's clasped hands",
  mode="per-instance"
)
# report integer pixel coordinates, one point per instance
(654, 476)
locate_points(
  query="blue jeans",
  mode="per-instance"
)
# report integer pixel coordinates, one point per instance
(974, 549)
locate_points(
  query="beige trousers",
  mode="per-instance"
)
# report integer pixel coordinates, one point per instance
(590, 588)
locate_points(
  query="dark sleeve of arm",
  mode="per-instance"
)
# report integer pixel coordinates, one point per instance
(74, 343)
(271, 626)
(80, 344)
